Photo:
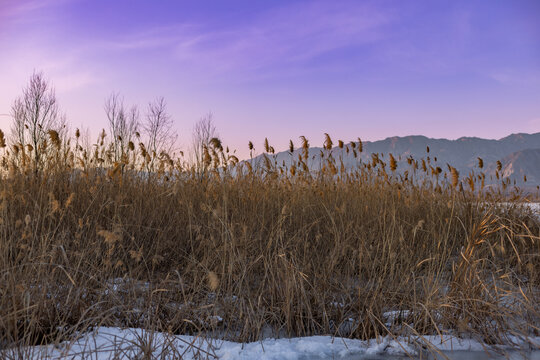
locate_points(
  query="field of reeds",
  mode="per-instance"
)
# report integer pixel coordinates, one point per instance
(243, 250)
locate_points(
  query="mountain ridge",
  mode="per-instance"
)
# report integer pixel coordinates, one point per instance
(517, 153)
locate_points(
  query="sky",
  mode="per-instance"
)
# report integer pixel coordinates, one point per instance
(282, 69)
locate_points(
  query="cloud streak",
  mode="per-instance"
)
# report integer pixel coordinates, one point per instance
(18, 11)
(289, 36)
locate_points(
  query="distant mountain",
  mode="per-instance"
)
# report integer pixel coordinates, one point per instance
(519, 164)
(518, 153)
(462, 153)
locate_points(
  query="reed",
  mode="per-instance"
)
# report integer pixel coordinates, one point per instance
(292, 250)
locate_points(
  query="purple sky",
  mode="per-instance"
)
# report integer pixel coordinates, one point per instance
(281, 69)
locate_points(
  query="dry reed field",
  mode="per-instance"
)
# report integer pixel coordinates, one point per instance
(237, 250)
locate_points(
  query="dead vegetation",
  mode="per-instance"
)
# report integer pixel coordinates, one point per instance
(241, 252)
(90, 237)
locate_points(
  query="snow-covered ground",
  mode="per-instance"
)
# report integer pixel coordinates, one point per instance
(535, 207)
(116, 343)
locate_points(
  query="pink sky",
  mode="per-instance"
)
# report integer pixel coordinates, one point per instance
(281, 69)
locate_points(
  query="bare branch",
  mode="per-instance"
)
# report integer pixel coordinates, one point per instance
(159, 131)
(122, 124)
(34, 114)
(203, 131)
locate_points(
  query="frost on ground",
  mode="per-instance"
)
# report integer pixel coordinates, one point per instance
(116, 343)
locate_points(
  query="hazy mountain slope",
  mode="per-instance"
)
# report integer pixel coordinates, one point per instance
(519, 154)
(461, 153)
(520, 163)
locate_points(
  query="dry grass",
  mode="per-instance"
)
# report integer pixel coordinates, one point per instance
(245, 252)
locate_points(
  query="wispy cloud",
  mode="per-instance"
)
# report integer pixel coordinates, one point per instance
(74, 80)
(152, 38)
(20, 10)
(19, 17)
(291, 35)
(516, 77)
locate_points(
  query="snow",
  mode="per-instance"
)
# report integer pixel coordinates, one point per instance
(394, 315)
(113, 343)
(533, 206)
(107, 343)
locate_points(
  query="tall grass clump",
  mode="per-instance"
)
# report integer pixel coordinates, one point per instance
(245, 251)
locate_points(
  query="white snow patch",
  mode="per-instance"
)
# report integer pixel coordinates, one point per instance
(114, 343)
(108, 343)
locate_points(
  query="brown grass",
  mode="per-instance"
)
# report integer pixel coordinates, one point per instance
(272, 251)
